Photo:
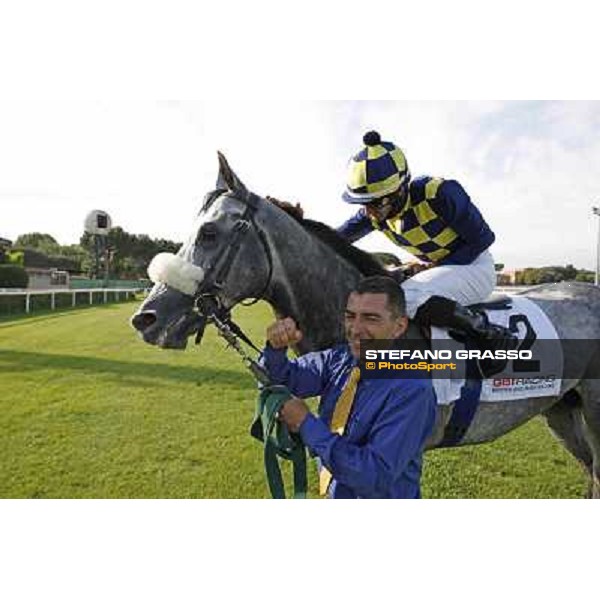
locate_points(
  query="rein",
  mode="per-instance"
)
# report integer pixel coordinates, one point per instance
(278, 441)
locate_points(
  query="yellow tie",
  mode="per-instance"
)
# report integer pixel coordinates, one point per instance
(339, 420)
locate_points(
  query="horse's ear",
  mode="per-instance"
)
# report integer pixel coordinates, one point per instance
(227, 179)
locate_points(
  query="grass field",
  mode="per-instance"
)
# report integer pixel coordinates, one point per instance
(89, 411)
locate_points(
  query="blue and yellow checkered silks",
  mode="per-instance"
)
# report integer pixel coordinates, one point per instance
(378, 170)
(418, 229)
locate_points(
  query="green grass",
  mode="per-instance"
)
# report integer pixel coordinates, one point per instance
(89, 411)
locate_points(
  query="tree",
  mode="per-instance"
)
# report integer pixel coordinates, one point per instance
(570, 273)
(43, 242)
(28, 257)
(16, 257)
(42, 250)
(553, 274)
(129, 254)
(586, 276)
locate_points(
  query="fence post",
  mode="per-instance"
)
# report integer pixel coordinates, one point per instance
(118, 295)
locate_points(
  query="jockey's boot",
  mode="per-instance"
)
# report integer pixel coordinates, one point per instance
(443, 312)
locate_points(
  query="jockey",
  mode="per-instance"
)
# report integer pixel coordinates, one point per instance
(434, 220)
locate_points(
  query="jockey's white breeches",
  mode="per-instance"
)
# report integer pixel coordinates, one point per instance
(465, 284)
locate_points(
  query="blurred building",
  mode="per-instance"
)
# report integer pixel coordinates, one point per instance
(47, 279)
(507, 276)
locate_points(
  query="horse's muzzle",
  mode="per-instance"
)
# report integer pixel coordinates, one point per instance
(173, 335)
(143, 320)
(146, 323)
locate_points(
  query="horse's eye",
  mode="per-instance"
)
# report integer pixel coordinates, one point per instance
(207, 233)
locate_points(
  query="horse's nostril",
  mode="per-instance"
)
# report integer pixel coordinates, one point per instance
(143, 320)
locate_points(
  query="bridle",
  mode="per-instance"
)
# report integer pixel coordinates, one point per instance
(266, 426)
(206, 299)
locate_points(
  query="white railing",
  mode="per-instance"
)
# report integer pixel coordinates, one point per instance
(52, 293)
(105, 291)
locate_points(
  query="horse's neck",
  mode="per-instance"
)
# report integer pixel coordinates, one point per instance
(310, 283)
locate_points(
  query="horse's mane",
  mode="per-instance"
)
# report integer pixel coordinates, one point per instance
(363, 261)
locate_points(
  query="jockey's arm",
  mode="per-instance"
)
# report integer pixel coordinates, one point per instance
(356, 227)
(454, 205)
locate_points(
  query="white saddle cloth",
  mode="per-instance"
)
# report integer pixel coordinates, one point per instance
(510, 385)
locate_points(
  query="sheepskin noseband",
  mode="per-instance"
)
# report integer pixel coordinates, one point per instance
(175, 272)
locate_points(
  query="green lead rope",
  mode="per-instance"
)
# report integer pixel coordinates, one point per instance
(279, 442)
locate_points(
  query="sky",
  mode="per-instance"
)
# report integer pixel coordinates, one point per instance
(529, 166)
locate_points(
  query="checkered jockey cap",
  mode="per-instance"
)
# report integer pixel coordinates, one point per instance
(379, 169)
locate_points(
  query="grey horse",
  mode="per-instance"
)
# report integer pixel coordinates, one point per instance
(243, 246)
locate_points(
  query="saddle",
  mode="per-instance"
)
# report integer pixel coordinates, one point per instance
(494, 302)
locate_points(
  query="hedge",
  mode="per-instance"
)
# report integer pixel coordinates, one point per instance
(13, 276)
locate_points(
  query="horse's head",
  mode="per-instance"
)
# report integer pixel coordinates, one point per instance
(225, 260)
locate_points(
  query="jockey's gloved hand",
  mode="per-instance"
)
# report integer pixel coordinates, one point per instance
(414, 267)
